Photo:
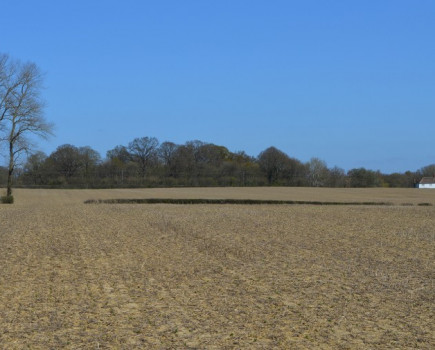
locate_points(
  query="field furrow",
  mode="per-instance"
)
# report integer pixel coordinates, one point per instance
(109, 276)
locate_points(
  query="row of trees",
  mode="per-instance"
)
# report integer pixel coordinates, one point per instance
(21, 111)
(146, 162)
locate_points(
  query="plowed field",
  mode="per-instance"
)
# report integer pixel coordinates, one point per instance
(163, 276)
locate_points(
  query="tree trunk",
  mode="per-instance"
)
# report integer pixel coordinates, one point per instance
(10, 169)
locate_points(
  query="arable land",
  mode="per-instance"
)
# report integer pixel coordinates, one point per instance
(230, 276)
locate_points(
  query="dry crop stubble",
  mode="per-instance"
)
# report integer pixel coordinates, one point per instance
(218, 276)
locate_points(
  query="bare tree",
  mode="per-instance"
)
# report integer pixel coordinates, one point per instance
(117, 163)
(428, 171)
(166, 153)
(119, 153)
(317, 172)
(35, 168)
(144, 151)
(22, 110)
(90, 159)
(8, 83)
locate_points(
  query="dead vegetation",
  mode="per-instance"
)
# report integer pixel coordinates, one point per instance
(217, 277)
(228, 201)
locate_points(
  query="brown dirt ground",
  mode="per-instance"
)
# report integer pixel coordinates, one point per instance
(102, 276)
(397, 196)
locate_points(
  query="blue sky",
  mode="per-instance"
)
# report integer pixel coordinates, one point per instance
(350, 82)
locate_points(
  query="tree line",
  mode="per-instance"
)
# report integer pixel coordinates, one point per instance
(145, 162)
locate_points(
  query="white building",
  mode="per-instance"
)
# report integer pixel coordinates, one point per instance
(427, 182)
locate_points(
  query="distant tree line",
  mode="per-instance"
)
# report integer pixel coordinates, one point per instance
(145, 162)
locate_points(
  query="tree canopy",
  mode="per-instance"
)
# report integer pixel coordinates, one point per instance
(146, 162)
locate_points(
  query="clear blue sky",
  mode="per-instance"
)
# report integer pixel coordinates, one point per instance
(350, 82)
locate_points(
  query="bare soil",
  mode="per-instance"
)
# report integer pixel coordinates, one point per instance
(163, 276)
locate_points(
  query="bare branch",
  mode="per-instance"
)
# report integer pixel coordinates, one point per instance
(21, 108)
